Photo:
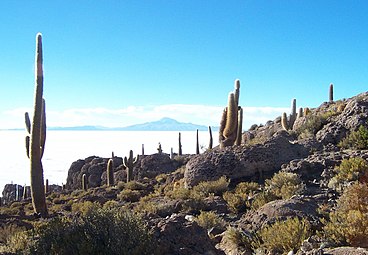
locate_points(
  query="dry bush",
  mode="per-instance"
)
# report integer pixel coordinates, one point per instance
(284, 185)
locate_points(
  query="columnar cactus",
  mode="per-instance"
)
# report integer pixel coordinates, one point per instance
(129, 165)
(197, 144)
(47, 186)
(142, 149)
(180, 147)
(210, 145)
(110, 173)
(240, 126)
(288, 123)
(330, 94)
(171, 153)
(306, 111)
(159, 148)
(35, 141)
(237, 91)
(229, 123)
(300, 113)
(84, 182)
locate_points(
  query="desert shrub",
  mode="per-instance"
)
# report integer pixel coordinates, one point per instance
(208, 220)
(284, 185)
(215, 187)
(161, 178)
(129, 195)
(111, 204)
(9, 230)
(84, 207)
(351, 169)
(262, 198)
(283, 236)
(348, 223)
(238, 199)
(235, 238)
(356, 139)
(312, 125)
(134, 185)
(100, 231)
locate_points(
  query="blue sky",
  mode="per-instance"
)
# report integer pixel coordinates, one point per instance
(117, 63)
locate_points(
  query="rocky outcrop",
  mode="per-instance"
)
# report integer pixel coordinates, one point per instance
(244, 162)
(11, 193)
(176, 235)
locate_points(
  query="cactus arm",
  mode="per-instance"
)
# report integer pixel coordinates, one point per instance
(211, 139)
(284, 122)
(237, 91)
(43, 128)
(240, 126)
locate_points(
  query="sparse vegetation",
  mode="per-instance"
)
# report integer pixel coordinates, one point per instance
(356, 140)
(284, 185)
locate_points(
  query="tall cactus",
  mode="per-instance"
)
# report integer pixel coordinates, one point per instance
(229, 123)
(210, 145)
(129, 165)
(330, 94)
(197, 143)
(240, 126)
(84, 182)
(237, 91)
(35, 141)
(110, 173)
(288, 123)
(180, 147)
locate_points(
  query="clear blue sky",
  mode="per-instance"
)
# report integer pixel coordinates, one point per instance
(116, 63)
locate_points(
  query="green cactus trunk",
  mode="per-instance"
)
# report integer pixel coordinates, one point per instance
(229, 123)
(38, 137)
(331, 99)
(210, 145)
(110, 173)
(129, 165)
(197, 144)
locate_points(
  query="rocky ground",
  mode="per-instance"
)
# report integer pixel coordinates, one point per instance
(226, 201)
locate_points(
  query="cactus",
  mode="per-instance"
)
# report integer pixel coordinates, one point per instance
(211, 139)
(306, 111)
(159, 149)
(240, 126)
(142, 149)
(84, 182)
(110, 173)
(237, 91)
(288, 123)
(35, 141)
(229, 123)
(112, 155)
(197, 143)
(330, 94)
(180, 147)
(171, 153)
(47, 186)
(300, 113)
(129, 164)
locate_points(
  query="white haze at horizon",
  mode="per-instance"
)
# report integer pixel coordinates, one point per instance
(64, 147)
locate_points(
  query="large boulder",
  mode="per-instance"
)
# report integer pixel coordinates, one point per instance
(244, 162)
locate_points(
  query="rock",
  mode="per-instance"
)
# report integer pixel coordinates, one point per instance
(345, 251)
(178, 236)
(244, 162)
(281, 210)
(11, 193)
(152, 165)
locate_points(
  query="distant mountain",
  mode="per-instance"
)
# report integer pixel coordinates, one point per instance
(165, 124)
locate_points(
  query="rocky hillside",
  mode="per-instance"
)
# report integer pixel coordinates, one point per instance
(297, 191)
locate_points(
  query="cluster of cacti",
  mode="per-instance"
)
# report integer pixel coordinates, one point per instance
(180, 147)
(129, 164)
(288, 122)
(211, 139)
(230, 131)
(197, 143)
(110, 173)
(35, 141)
(330, 94)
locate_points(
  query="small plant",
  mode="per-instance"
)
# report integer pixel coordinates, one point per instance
(262, 198)
(208, 220)
(238, 199)
(215, 187)
(312, 125)
(356, 140)
(348, 223)
(284, 185)
(351, 169)
(236, 238)
(7, 231)
(129, 195)
(284, 236)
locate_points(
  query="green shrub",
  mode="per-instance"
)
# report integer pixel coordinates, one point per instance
(356, 140)
(238, 199)
(208, 220)
(351, 169)
(129, 195)
(312, 125)
(236, 238)
(284, 185)
(84, 207)
(100, 231)
(212, 187)
(348, 223)
(262, 198)
(283, 236)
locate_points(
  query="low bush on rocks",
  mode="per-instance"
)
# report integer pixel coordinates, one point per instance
(239, 198)
(356, 140)
(208, 220)
(212, 187)
(284, 185)
(348, 223)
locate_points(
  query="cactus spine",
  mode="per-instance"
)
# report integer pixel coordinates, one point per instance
(229, 123)
(129, 164)
(211, 139)
(84, 182)
(180, 147)
(331, 93)
(35, 141)
(110, 173)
